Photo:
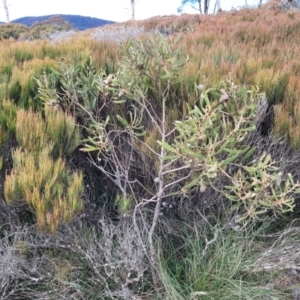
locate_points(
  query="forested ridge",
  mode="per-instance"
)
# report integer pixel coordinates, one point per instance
(77, 21)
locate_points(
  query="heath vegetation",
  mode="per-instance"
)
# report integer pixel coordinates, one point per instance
(160, 166)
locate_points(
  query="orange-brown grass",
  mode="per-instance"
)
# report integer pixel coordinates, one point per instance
(257, 47)
(22, 61)
(39, 176)
(51, 193)
(254, 46)
(7, 118)
(57, 132)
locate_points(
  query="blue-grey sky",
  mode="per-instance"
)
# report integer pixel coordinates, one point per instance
(116, 10)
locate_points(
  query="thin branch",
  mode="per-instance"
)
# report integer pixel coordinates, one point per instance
(178, 181)
(175, 170)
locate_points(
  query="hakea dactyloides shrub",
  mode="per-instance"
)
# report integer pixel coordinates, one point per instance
(209, 141)
(40, 176)
(185, 145)
(155, 146)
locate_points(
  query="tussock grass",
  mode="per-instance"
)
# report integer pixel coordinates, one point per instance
(214, 262)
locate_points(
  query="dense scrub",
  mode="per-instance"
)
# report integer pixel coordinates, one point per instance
(160, 168)
(38, 31)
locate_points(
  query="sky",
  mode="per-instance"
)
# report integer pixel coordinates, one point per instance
(115, 10)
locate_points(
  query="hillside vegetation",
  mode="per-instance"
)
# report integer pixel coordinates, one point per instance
(154, 159)
(79, 22)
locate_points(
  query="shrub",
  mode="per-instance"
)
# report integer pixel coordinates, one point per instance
(133, 110)
(39, 176)
(105, 262)
(12, 30)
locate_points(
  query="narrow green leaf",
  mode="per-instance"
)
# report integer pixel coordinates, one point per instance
(290, 176)
(247, 129)
(120, 101)
(231, 198)
(193, 183)
(230, 187)
(139, 134)
(266, 204)
(89, 148)
(248, 154)
(166, 146)
(169, 157)
(230, 159)
(122, 120)
(251, 170)
(260, 212)
(231, 151)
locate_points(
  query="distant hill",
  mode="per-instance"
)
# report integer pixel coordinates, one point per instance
(57, 20)
(78, 22)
